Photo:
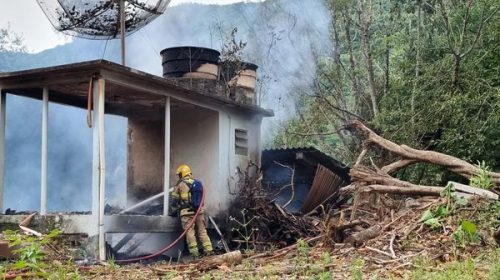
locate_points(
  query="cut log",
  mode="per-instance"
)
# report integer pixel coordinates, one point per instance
(361, 174)
(397, 165)
(231, 258)
(416, 190)
(344, 226)
(473, 190)
(360, 237)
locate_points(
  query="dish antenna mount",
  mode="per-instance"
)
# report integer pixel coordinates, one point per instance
(102, 19)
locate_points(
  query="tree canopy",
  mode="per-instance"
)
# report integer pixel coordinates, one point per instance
(423, 73)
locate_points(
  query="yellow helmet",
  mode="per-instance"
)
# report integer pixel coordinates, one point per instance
(183, 170)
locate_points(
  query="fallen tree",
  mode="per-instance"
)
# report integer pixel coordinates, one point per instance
(386, 212)
(375, 179)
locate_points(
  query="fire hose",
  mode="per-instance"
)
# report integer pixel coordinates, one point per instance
(169, 246)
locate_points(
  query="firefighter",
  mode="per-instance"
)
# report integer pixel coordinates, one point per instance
(186, 200)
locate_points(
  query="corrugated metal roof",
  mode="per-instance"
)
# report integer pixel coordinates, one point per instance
(290, 154)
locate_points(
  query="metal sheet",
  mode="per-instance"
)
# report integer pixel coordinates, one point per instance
(325, 186)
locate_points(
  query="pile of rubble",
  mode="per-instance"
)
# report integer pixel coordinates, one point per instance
(389, 222)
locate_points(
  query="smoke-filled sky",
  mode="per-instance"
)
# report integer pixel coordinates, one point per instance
(26, 18)
(284, 37)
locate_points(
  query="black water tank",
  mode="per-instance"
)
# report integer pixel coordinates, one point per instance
(194, 62)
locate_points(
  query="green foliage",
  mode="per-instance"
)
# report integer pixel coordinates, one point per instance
(356, 269)
(435, 76)
(63, 272)
(485, 266)
(457, 270)
(494, 273)
(174, 274)
(466, 232)
(433, 217)
(302, 248)
(302, 257)
(28, 248)
(326, 261)
(327, 258)
(482, 179)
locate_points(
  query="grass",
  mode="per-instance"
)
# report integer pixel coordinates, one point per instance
(485, 266)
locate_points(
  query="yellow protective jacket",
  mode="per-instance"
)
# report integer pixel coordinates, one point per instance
(182, 197)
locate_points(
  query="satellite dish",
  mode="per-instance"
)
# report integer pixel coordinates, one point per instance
(102, 19)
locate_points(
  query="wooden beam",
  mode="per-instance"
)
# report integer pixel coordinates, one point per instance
(39, 80)
(474, 190)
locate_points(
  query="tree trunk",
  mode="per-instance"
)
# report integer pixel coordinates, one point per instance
(417, 64)
(454, 164)
(415, 190)
(358, 238)
(456, 69)
(365, 22)
(352, 62)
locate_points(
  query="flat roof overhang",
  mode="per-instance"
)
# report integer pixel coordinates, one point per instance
(128, 91)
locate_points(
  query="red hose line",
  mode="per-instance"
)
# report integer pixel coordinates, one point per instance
(168, 247)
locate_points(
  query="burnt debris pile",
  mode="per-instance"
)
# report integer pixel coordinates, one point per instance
(374, 215)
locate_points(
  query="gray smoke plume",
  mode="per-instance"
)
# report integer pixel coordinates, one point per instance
(283, 37)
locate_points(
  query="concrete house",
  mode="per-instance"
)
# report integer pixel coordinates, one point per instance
(188, 116)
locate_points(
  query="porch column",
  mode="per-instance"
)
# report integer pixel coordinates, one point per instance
(166, 177)
(98, 163)
(2, 146)
(95, 154)
(43, 181)
(102, 170)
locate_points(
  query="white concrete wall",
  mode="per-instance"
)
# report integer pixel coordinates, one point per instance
(195, 141)
(229, 160)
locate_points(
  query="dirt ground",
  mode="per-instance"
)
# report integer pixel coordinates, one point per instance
(406, 247)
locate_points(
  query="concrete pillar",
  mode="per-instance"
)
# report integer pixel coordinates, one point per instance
(43, 181)
(2, 146)
(102, 169)
(166, 161)
(95, 154)
(98, 164)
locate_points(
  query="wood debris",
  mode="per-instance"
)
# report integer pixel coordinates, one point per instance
(383, 225)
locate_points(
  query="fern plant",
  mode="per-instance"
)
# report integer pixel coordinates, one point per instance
(482, 178)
